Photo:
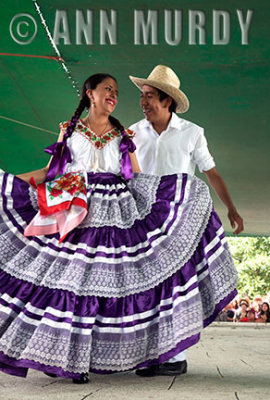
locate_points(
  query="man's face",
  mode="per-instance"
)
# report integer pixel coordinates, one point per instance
(154, 109)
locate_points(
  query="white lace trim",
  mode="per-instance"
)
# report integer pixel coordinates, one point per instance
(88, 277)
(33, 198)
(77, 354)
(122, 210)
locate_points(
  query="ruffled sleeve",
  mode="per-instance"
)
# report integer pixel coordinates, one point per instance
(63, 125)
(127, 146)
(129, 133)
(60, 155)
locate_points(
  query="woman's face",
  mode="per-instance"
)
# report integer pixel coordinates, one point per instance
(104, 96)
(264, 307)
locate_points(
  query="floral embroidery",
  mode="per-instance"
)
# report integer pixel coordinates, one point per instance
(98, 141)
(73, 183)
(54, 192)
(130, 133)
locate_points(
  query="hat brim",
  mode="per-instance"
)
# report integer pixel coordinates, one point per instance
(181, 100)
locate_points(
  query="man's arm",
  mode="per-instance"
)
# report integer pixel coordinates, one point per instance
(222, 191)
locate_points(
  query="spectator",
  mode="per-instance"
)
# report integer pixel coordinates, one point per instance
(247, 299)
(230, 316)
(222, 316)
(226, 315)
(264, 315)
(256, 304)
(242, 311)
(256, 311)
(235, 303)
(250, 316)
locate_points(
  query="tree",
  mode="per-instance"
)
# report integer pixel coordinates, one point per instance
(252, 260)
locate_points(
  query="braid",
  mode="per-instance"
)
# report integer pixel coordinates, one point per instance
(115, 122)
(84, 102)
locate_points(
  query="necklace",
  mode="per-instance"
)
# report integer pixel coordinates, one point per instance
(103, 130)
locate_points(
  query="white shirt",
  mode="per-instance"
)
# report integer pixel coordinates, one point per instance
(86, 157)
(178, 149)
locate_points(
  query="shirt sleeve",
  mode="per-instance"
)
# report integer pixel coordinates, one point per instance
(201, 154)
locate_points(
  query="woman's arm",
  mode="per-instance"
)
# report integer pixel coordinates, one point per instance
(262, 318)
(134, 163)
(39, 175)
(222, 191)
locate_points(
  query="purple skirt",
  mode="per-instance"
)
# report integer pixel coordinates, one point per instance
(133, 285)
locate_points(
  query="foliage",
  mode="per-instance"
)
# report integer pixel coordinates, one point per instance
(252, 260)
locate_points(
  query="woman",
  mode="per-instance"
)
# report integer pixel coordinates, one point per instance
(264, 314)
(241, 313)
(121, 271)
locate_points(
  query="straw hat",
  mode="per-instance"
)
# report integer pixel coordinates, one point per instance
(165, 79)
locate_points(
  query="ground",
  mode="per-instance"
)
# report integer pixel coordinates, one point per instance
(231, 362)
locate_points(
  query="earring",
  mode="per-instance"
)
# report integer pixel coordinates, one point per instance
(93, 104)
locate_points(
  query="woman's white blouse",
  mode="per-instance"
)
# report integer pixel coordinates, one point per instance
(87, 157)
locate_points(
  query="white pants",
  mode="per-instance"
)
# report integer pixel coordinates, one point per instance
(179, 357)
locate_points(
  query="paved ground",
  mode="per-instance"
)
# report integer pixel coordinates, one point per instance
(231, 362)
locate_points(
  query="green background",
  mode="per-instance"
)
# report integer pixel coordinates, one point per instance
(228, 87)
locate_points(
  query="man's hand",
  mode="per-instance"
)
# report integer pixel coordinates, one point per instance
(222, 191)
(236, 220)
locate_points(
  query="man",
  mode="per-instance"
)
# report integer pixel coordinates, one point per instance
(166, 144)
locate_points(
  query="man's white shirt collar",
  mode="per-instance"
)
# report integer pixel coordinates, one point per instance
(175, 122)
